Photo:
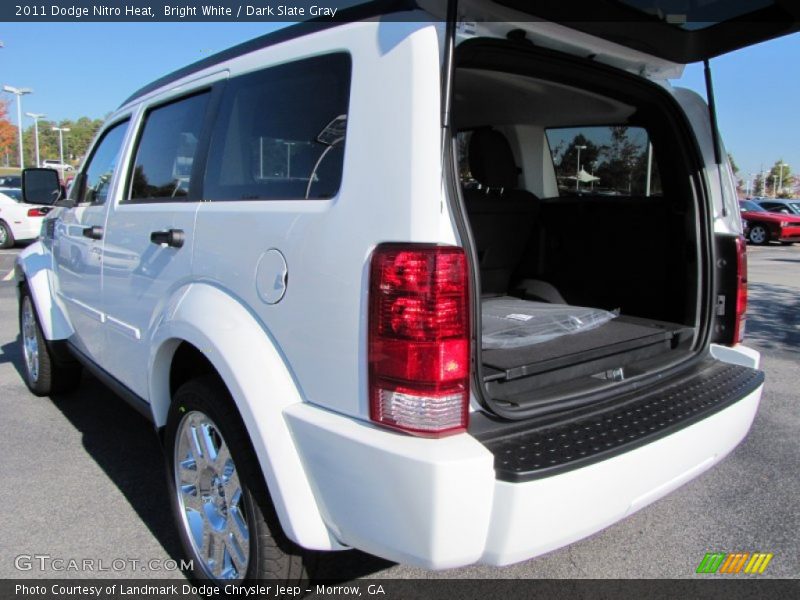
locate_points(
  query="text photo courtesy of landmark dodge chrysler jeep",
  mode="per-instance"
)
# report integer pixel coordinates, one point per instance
(368, 301)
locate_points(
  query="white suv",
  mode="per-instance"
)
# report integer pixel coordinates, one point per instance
(445, 292)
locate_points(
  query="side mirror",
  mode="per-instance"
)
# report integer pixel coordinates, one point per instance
(41, 186)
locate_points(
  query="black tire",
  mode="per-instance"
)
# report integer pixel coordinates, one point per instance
(271, 554)
(43, 375)
(758, 235)
(6, 237)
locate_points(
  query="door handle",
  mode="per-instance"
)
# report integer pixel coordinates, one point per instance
(170, 237)
(95, 232)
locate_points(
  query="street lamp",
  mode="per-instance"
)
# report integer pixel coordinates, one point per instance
(61, 131)
(19, 93)
(780, 176)
(36, 117)
(578, 171)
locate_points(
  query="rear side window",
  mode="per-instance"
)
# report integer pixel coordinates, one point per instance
(100, 168)
(280, 133)
(608, 160)
(165, 153)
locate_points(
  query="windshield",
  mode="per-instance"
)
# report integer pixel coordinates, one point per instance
(751, 206)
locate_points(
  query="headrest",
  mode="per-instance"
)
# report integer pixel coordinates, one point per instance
(491, 161)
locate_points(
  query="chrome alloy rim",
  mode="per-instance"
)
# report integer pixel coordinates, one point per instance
(210, 498)
(3, 235)
(30, 342)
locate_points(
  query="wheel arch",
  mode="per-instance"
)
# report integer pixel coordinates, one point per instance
(34, 269)
(204, 328)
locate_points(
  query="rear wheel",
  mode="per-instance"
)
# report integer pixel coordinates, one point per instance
(758, 235)
(43, 375)
(221, 505)
(6, 237)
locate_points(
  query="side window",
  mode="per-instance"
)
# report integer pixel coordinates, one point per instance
(99, 171)
(281, 132)
(607, 161)
(162, 169)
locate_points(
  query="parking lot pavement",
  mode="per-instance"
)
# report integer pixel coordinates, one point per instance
(83, 478)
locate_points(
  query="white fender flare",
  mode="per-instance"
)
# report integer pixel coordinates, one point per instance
(34, 267)
(245, 356)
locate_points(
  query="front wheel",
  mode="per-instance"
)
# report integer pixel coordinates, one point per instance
(758, 235)
(43, 375)
(221, 505)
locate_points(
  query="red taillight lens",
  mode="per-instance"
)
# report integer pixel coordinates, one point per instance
(741, 290)
(38, 212)
(419, 338)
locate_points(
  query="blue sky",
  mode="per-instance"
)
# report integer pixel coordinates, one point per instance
(87, 69)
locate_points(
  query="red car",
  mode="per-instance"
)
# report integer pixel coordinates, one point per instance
(768, 226)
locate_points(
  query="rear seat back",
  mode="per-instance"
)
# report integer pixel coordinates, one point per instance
(501, 215)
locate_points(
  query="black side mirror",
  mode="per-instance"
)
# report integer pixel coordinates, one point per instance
(41, 186)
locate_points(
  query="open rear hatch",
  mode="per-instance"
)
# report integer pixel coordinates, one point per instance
(545, 222)
(679, 31)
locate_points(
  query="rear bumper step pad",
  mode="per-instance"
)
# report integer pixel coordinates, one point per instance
(553, 448)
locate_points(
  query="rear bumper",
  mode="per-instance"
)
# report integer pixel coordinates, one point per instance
(535, 517)
(439, 504)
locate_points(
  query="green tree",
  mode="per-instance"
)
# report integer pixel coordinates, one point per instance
(739, 181)
(76, 140)
(567, 157)
(782, 180)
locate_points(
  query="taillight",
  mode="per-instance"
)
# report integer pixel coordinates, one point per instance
(38, 212)
(741, 290)
(419, 338)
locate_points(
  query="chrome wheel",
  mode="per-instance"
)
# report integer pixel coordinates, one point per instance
(30, 340)
(210, 498)
(758, 234)
(3, 235)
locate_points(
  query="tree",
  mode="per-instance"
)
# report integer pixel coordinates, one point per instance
(8, 133)
(624, 159)
(758, 186)
(739, 181)
(782, 180)
(567, 156)
(76, 141)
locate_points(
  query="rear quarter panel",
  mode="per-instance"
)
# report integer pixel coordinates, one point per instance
(391, 191)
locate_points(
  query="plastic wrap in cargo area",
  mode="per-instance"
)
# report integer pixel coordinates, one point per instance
(514, 322)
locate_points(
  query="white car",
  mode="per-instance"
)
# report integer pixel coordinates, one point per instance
(341, 346)
(58, 165)
(18, 222)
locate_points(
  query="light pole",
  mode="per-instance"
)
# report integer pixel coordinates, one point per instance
(36, 117)
(61, 131)
(578, 171)
(19, 93)
(780, 176)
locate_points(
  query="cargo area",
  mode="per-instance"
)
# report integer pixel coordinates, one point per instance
(584, 225)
